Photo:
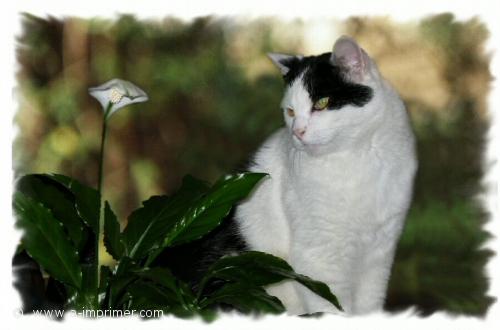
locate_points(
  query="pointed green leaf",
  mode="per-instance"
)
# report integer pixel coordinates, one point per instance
(260, 269)
(255, 268)
(208, 212)
(112, 236)
(85, 298)
(104, 281)
(189, 214)
(175, 288)
(125, 266)
(143, 227)
(148, 225)
(144, 295)
(118, 288)
(59, 200)
(148, 296)
(162, 276)
(87, 200)
(44, 239)
(246, 298)
(124, 275)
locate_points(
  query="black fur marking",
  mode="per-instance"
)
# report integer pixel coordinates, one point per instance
(324, 79)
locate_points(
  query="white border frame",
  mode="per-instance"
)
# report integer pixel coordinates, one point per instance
(400, 11)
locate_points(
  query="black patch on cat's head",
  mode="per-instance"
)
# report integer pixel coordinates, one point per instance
(322, 78)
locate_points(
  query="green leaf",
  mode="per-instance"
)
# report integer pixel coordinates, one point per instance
(162, 276)
(246, 298)
(176, 289)
(148, 296)
(44, 239)
(255, 268)
(320, 288)
(123, 276)
(189, 214)
(208, 212)
(259, 269)
(87, 200)
(112, 237)
(104, 282)
(144, 227)
(85, 298)
(125, 265)
(105, 275)
(148, 225)
(118, 287)
(59, 200)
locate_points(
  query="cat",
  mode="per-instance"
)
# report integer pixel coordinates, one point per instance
(340, 184)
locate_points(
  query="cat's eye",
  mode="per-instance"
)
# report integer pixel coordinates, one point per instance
(321, 104)
(290, 112)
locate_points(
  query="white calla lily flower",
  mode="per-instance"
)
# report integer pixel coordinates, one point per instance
(113, 95)
(116, 94)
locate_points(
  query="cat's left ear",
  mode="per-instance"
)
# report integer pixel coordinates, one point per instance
(353, 59)
(284, 62)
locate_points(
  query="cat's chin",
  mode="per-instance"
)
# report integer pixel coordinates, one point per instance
(313, 148)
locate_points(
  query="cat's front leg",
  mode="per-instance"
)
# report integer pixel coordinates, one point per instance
(374, 268)
(332, 268)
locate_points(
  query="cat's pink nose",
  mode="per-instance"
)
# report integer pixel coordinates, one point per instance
(299, 132)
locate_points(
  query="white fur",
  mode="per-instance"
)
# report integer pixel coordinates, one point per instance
(335, 202)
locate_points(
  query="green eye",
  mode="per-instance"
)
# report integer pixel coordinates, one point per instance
(321, 104)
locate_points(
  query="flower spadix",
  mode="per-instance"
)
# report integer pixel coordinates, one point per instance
(116, 94)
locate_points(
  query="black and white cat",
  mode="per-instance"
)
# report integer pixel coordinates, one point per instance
(340, 184)
(341, 177)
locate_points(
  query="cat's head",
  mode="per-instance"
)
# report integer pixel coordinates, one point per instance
(329, 98)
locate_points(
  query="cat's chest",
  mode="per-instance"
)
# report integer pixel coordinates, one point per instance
(334, 189)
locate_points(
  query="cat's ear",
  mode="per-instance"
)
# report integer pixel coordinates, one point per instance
(283, 62)
(348, 55)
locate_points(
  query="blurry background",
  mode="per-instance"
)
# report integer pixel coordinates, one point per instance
(214, 98)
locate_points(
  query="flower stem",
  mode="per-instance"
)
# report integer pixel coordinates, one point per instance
(99, 189)
(103, 140)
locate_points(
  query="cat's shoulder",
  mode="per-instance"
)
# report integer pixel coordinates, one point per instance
(272, 152)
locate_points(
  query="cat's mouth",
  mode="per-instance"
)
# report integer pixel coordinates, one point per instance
(305, 142)
(298, 141)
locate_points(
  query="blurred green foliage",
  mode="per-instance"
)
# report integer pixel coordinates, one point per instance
(213, 100)
(193, 123)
